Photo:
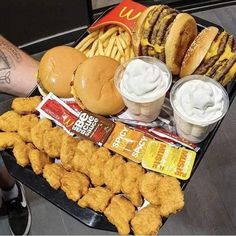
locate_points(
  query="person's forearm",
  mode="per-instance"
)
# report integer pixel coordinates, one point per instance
(17, 70)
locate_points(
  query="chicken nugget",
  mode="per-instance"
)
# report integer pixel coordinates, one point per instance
(170, 195)
(147, 221)
(9, 121)
(53, 174)
(25, 124)
(21, 153)
(130, 183)
(68, 148)
(97, 199)
(119, 212)
(38, 160)
(37, 132)
(52, 139)
(75, 185)
(148, 187)
(97, 162)
(113, 173)
(9, 140)
(25, 105)
(83, 154)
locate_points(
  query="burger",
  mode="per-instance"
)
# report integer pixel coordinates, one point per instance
(164, 33)
(94, 88)
(56, 70)
(213, 54)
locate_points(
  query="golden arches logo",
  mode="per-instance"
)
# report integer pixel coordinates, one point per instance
(68, 122)
(127, 15)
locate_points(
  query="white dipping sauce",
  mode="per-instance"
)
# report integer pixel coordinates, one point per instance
(143, 81)
(199, 100)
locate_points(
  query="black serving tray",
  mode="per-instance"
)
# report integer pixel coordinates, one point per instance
(57, 197)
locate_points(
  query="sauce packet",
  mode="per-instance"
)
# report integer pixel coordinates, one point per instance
(161, 157)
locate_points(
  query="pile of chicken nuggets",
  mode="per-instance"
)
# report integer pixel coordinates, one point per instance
(90, 175)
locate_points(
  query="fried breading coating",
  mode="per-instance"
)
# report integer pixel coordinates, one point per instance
(53, 174)
(130, 183)
(147, 221)
(38, 160)
(119, 212)
(52, 139)
(25, 124)
(148, 187)
(9, 121)
(9, 140)
(37, 132)
(170, 195)
(68, 148)
(83, 154)
(113, 173)
(96, 198)
(25, 105)
(21, 153)
(75, 185)
(97, 162)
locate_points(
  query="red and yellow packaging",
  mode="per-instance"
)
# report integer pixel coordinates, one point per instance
(125, 15)
(127, 142)
(161, 157)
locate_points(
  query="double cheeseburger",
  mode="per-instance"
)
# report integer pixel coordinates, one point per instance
(56, 70)
(213, 54)
(164, 33)
(93, 86)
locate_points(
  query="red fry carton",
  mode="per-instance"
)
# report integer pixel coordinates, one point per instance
(125, 15)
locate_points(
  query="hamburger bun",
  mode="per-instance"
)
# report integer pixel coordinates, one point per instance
(198, 50)
(164, 33)
(93, 85)
(56, 69)
(213, 54)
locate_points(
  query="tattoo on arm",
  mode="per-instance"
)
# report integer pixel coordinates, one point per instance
(9, 57)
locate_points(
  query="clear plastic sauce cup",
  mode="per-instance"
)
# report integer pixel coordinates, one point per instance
(144, 108)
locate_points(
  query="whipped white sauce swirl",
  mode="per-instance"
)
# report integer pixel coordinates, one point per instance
(143, 82)
(200, 101)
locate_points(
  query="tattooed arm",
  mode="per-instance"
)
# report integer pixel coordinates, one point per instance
(17, 70)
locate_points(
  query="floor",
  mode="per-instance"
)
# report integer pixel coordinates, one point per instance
(210, 196)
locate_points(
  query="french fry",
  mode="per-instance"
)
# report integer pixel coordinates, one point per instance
(122, 42)
(122, 59)
(126, 37)
(127, 53)
(114, 51)
(87, 44)
(108, 33)
(96, 53)
(86, 52)
(118, 56)
(82, 42)
(101, 32)
(106, 42)
(93, 48)
(110, 45)
(119, 46)
(131, 53)
(100, 48)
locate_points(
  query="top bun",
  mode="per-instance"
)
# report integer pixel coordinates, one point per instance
(94, 86)
(181, 35)
(164, 33)
(198, 50)
(56, 70)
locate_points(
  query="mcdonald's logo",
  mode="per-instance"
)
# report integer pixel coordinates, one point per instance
(127, 15)
(68, 122)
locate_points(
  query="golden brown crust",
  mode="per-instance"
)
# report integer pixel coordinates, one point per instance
(94, 85)
(181, 35)
(198, 50)
(138, 30)
(57, 67)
